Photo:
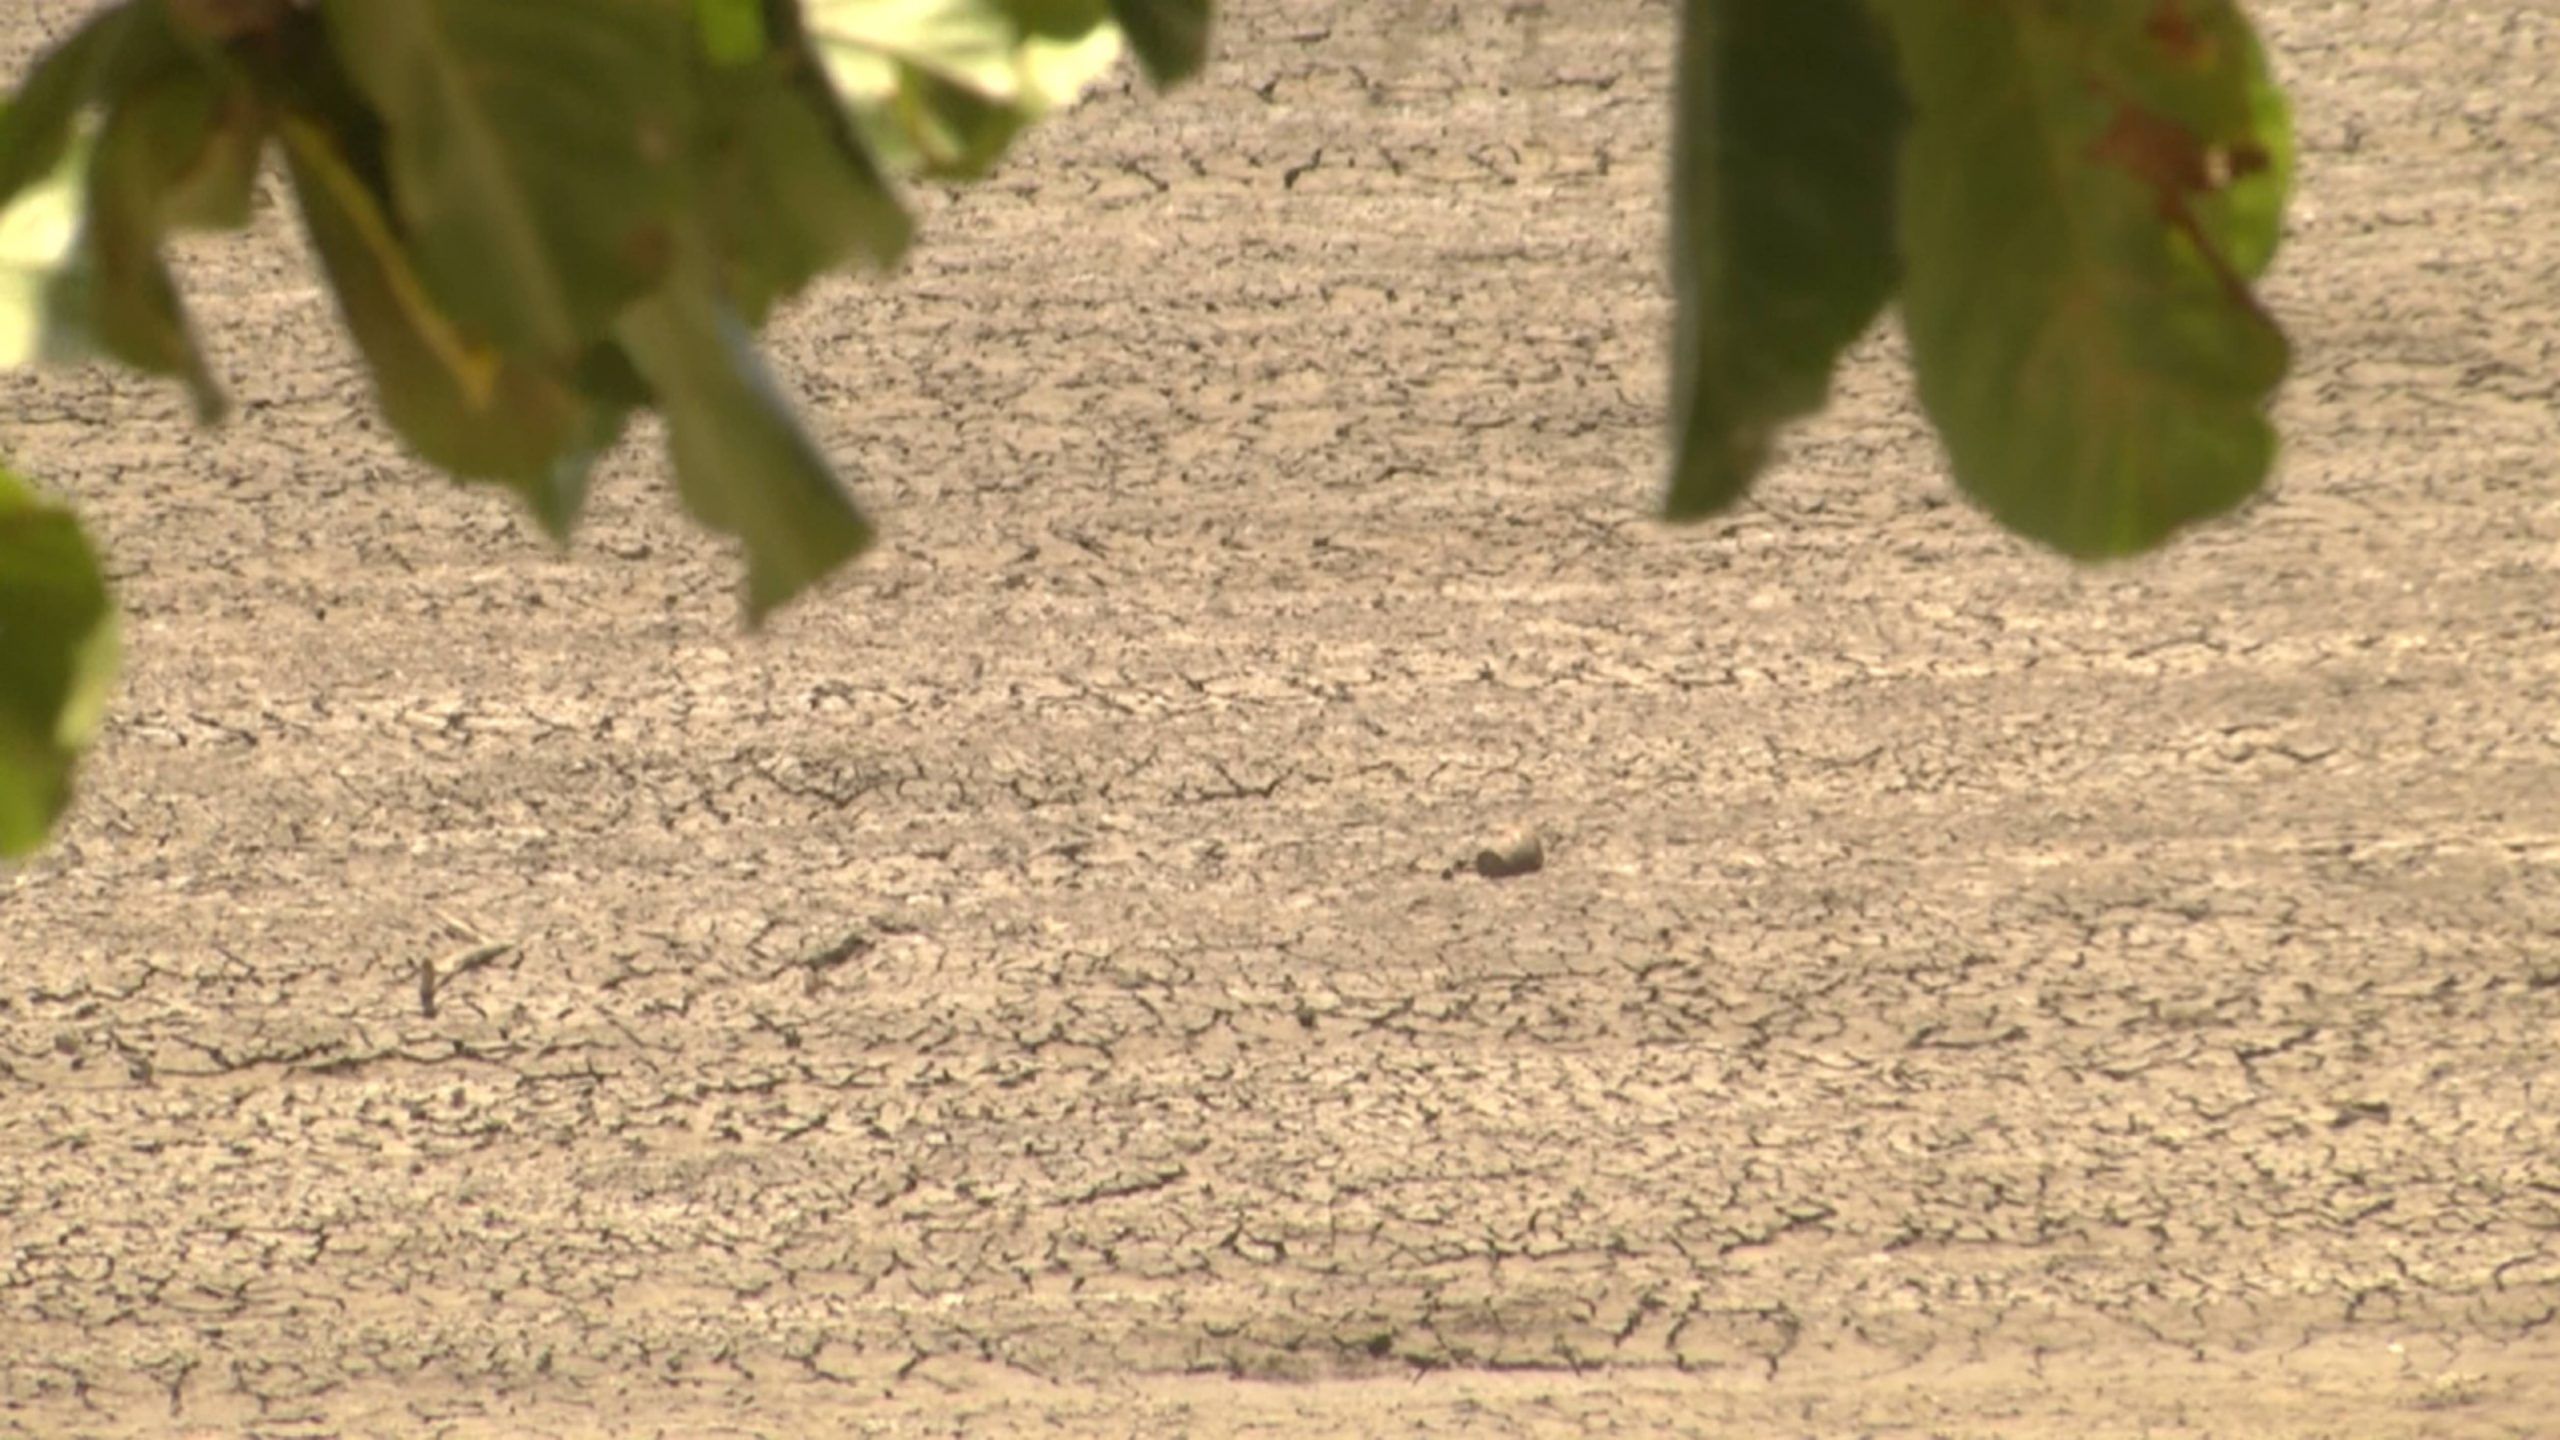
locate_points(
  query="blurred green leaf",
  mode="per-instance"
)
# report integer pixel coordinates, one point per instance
(1171, 37)
(742, 462)
(789, 191)
(217, 134)
(1789, 122)
(940, 87)
(538, 152)
(43, 117)
(733, 31)
(177, 150)
(43, 275)
(2086, 190)
(57, 659)
(459, 402)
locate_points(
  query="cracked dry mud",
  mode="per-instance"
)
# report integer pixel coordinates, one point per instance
(1027, 991)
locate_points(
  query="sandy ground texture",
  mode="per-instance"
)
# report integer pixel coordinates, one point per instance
(483, 993)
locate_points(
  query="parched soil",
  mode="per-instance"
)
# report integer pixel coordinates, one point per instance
(1030, 989)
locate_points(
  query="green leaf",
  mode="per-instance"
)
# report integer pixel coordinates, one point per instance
(1783, 252)
(57, 660)
(2197, 65)
(538, 151)
(742, 462)
(733, 31)
(940, 87)
(43, 117)
(44, 297)
(178, 150)
(458, 401)
(218, 135)
(789, 192)
(2087, 190)
(1171, 37)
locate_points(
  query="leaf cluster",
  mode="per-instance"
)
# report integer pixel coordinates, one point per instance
(538, 219)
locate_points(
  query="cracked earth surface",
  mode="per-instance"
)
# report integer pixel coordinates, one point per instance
(483, 993)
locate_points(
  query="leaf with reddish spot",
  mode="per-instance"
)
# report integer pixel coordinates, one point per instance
(2084, 204)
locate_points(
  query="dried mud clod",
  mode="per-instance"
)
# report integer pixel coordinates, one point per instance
(1519, 852)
